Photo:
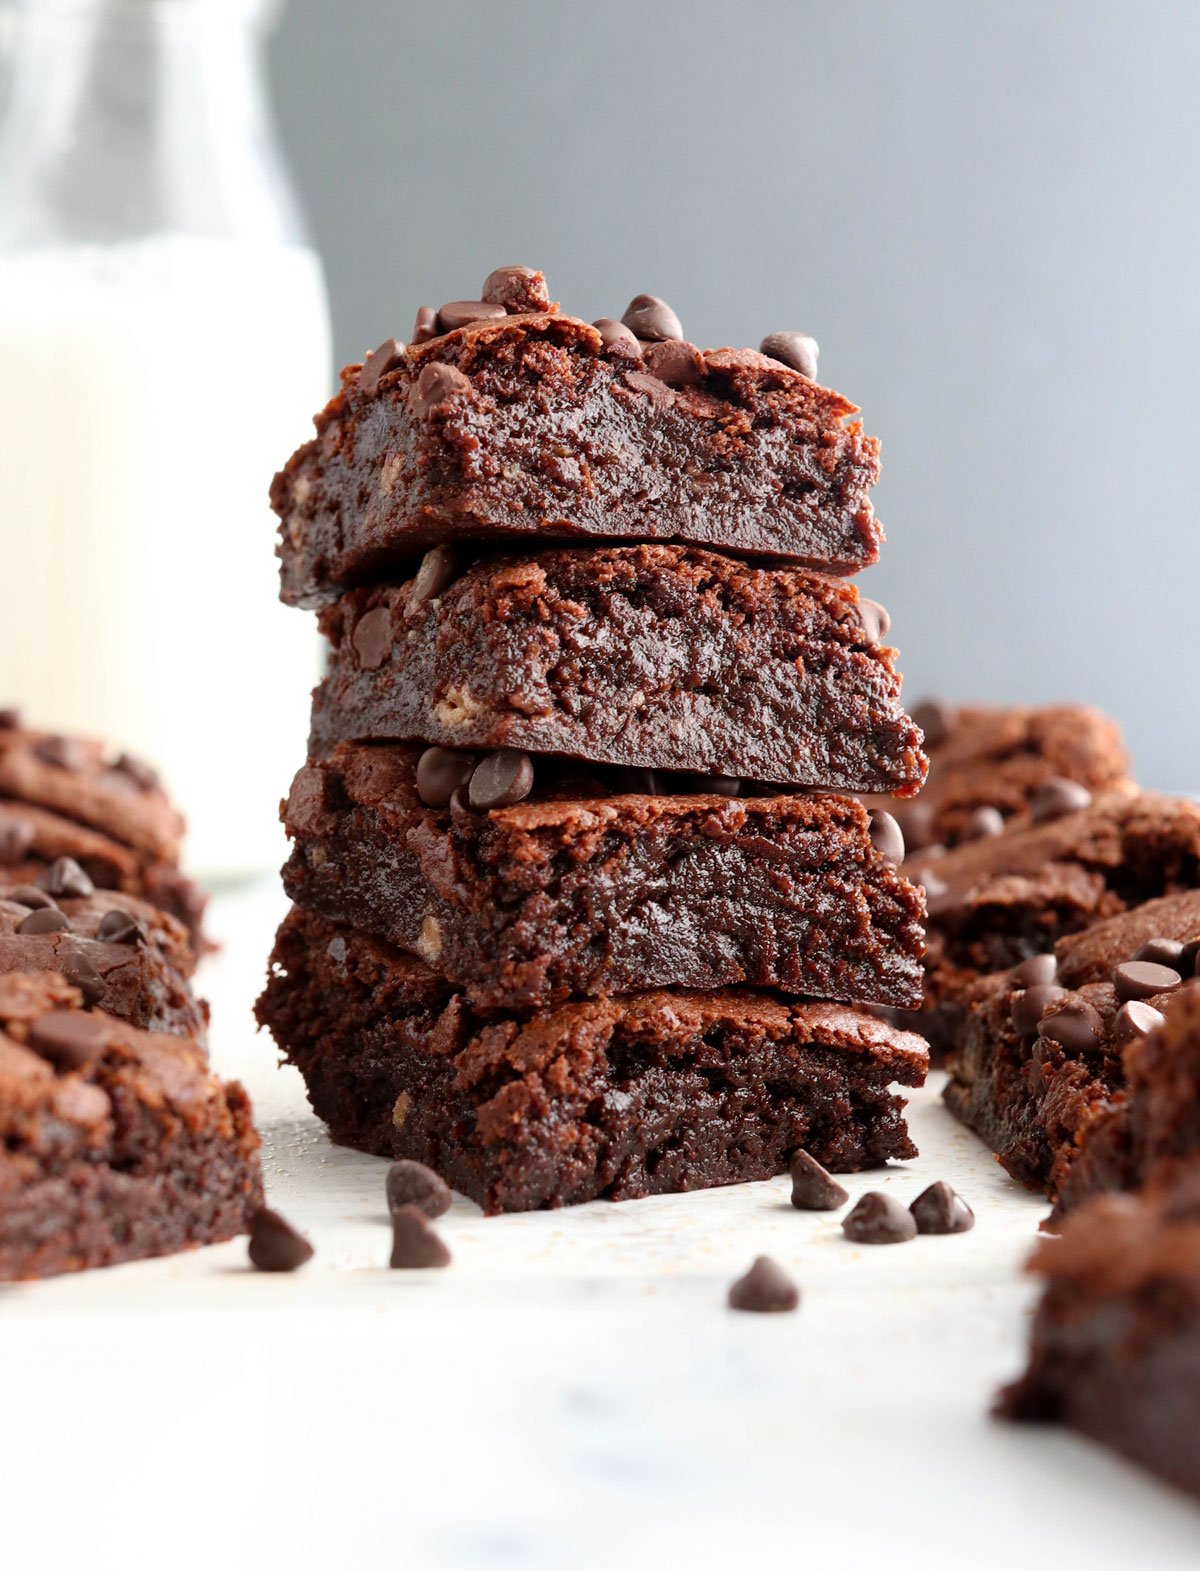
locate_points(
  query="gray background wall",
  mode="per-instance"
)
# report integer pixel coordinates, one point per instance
(986, 212)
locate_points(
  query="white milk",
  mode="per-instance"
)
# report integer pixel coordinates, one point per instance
(148, 392)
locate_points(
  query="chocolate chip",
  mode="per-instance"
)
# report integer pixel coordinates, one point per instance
(517, 289)
(32, 897)
(143, 775)
(81, 973)
(414, 1184)
(674, 362)
(651, 319)
(886, 835)
(1133, 1020)
(982, 824)
(1189, 960)
(1029, 1005)
(939, 1210)
(378, 363)
(415, 1245)
(1076, 1026)
(917, 825)
(66, 880)
(766, 1289)
(275, 1245)
(501, 779)
(876, 623)
(63, 752)
(1163, 952)
(461, 313)
(1037, 971)
(1142, 979)
(69, 1039)
(16, 836)
(1057, 798)
(813, 1189)
(437, 383)
(438, 570)
(796, 350)
(879, 1219)
(935, 719)
(372, 638)
(617, 339)
(426, 325)
(47, 920)
(118, 927)
(440, 772)
(10, 718)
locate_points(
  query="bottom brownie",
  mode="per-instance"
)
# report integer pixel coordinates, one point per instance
(115, 1144)
(1115, 1350)
(651, 1093)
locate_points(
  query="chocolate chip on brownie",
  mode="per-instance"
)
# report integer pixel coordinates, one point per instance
(17, 835)
(766, 1289)
(378, 363)
(436, 384)
(617, 339)
(1077, 1026)
(411, 1183)
(69, 1039)
(47, 919)
(118, 927)
(461, 313)
(31, 897)
(1037, 971)
(939, 1209)
(143, 775)
(517, 289)
(440, 772)
(984, 821)
(65, 879)
(500, 780)
(426, 325)
(438, 570)
(935, 719)
(875, 620)
(275, 1245)
(878, 1218)
(415, 1244)
(796, 350)
(675, 362)
(886, 836)
(62, 752)
(1057, 798)
(372, 638)
(1167, 952)
(651, 319)
(1138, 979)
(1135, 1019)
(813, 1189)
(1029, 1004)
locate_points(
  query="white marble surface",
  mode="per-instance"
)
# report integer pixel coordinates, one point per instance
(573, 1393)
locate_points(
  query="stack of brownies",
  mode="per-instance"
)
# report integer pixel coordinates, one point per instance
(571, 918)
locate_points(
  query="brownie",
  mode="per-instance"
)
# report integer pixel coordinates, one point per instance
(664, 657)
(539, 426)
(68, 796)
(610, 892)
(125, 956)
(1034, 1071)
(1115, 1345)
(115, 1144)
(649, 1093)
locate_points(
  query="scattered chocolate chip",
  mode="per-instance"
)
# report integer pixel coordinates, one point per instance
(886, 835)
(143, 775)
(426, 325)
(81, 973)
(796, 350)
(1135, 1019)
(63, 752)
(438, 570)
(1163, 952)
(917, 826)
(983, 824)
(766, 1289)
(674, 362)
(440, 772)
(935, 719)
(415, 1245)
(118, 927)
(500, 779)
(1142, 979)
(1037, 971)
(517, 289)
(66, 880)
(437, 383)
(1076, 1026)
(372, 638)
(69, 1039)
(378, 363)
(461, 313)
(33, 898)
(617, 339)
(1030, 1004)
(813, 1189)
(1057, 798)
(48, 919)
(651, 319)
(876, 623)
(10, 718)
(17, 834)
(879, 1219)
(939, 1209)
(275, 1245)
(414, 1184)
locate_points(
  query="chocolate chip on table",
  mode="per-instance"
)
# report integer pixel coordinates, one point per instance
(876, 623)
(617, 339)
(437, 383)
(68, 1039)
(413, 1184)
(118, 927)
(378, 363)
(651, 319)
(517, 289)
(983, 824)
(1076, 1026)
(766, 1289)
(33, 898)
(1037, 971)
(66, 880)
(813, 1189)
(1030, 1004)
(426, 325)
(46, 919)
(877, 1218)
(440, 772)
(275, 1245)
(674, 362)
(81, 973)
(1138, 979)
(886, 835)
(1057, 798)
(461, 313)
(438, 570)
(17, 834)
(501, 779)
(1133, 1020)
(415, 1244)
(1163, 952)
(935, 719)
(143, 775)
(939, 1209)
(796, 350)
(63, 752)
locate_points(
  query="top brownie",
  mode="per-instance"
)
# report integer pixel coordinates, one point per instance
(525, 422)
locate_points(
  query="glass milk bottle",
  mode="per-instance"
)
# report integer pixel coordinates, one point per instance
(164, 341)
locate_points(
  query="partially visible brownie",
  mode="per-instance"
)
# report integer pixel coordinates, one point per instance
(605, 892)
(115, 1144)
(616, 1098)
(537, 425)
(664, 657)
(1115, 1346)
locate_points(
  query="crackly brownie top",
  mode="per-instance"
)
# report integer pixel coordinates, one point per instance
(1120, 1244)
